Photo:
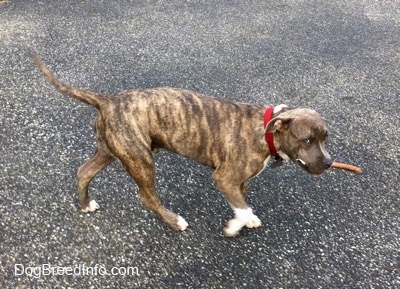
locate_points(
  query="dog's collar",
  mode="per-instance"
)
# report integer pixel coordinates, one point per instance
(269, 137)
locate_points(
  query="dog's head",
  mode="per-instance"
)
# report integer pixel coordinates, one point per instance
(301, 135)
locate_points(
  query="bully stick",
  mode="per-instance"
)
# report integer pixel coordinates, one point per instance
(346, 167)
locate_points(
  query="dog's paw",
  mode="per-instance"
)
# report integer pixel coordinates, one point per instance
(92, 207)
(232, 227)
(182, 224)
(254, 222)
(243, 217)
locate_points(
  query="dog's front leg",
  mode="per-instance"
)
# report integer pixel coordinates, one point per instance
(236, 197)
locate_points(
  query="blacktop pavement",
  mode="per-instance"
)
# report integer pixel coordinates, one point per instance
(341, 58)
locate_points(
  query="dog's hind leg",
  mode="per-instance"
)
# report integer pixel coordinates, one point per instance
(86, 173)
(142, 170)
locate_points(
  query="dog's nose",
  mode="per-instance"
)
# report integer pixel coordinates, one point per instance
(328, 163)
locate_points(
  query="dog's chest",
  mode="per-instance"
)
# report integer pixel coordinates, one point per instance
(265, 164)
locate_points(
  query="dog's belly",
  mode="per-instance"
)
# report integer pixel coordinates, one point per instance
(202, 156)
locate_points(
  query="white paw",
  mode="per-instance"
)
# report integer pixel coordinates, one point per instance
(92, 207)
(232, 227)
(243, 217)
(182, 224)
(254, 222)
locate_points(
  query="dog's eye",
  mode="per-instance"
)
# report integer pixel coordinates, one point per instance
(306, 141)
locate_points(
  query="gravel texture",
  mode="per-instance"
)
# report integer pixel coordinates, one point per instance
(341, 58)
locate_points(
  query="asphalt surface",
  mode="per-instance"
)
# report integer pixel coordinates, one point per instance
(341, 230)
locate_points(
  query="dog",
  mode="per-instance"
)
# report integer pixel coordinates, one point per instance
(227, 136)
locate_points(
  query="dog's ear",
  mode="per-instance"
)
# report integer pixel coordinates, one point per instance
(278, 124)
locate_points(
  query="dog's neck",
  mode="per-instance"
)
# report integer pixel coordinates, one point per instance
(270, 113)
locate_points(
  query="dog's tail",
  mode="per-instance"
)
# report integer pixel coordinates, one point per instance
(88, 97)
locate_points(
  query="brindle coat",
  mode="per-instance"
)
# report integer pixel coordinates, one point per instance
(227, 136)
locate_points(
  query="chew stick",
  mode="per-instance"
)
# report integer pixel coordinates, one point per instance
(346, 167)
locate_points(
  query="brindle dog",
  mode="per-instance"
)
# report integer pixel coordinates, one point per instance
(227, 136)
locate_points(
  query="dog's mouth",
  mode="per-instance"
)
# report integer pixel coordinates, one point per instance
(308, 168)
(302, 164)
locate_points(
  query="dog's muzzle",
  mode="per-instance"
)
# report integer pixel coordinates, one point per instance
(313, 169)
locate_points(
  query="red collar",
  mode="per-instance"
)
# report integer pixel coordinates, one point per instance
(269, 137)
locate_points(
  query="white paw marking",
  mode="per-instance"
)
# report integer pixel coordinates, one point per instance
(92, 207)
(254, 222)
(182, 223)
(233, 227)
(243, 217)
